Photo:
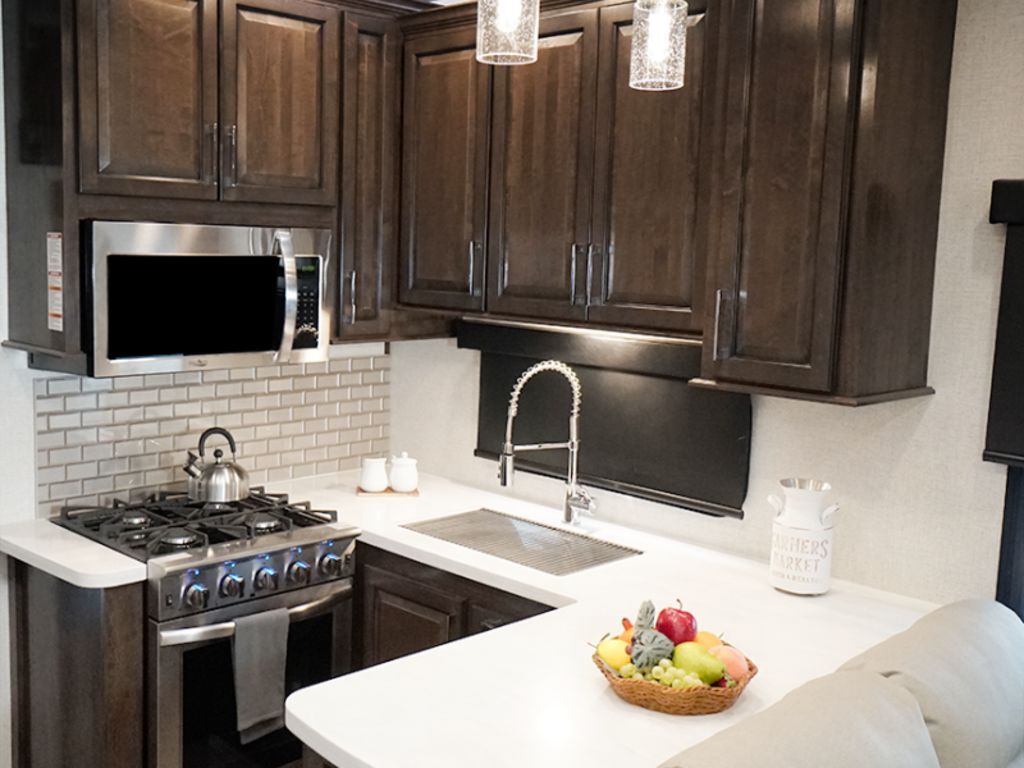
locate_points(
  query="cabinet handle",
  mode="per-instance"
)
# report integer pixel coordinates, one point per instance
(474, 247)
(352, 297)
(210, 144)
(591, 249)
(233, 156)
(574, 251)
(718, 317)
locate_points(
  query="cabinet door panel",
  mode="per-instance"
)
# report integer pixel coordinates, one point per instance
(402, 616)
(444, 173)
(148, 97)
(772, 305)
(368, 199)
(649, 199)
(280, 101)
(542, 168)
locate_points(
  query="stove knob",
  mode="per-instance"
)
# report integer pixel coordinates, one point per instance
(299, 572)
(196, 596)
(266, 578)
(330, 565)
(232, 585)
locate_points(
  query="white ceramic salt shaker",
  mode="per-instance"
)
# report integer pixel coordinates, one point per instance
(405, 477)
(374, 476)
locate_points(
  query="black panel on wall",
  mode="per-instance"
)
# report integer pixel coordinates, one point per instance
(643, 430)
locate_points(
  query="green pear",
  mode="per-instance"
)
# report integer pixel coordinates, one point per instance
(695, 658)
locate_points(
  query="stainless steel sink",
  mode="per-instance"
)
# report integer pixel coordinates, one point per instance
(534, 545)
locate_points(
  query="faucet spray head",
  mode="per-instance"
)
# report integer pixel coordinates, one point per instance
(506, 466)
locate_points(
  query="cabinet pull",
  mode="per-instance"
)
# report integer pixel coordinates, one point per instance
(352, 297)
(233, 156)
(574, 251)
(210, 147)
(471, 271)
(718, 317)
(591, 249)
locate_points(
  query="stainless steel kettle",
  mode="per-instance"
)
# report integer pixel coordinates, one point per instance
(221, 481)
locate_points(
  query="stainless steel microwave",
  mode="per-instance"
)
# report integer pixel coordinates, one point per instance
(188, 297)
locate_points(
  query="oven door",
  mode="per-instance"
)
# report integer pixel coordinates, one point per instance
(191, 716)
(182, 297)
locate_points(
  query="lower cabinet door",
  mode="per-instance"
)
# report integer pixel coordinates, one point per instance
(402, 616)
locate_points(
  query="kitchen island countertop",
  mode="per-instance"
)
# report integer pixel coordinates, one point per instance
(527, 694)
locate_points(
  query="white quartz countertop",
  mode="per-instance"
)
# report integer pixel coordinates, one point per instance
(69, 556)
(528, 694)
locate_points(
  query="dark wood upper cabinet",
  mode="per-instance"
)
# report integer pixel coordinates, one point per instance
(280, 101)
(369, 148)
(147, 93)
(651, 184)
(828, 163)
(444, 171)
(542, 173)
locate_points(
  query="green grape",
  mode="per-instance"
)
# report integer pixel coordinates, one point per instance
(664, 681)
(627, 670)
(638, 675)
(665, 664)
(657, 673)
(677, 683)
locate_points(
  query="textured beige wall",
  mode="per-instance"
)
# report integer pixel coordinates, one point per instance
(921, 512)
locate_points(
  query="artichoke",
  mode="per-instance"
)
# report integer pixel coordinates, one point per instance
(645, 619)
(650, 647)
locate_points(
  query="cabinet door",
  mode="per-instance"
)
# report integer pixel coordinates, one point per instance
(368, 191)
(147, 91)
(541, 174)
(402, 616)
(650, 194)
(444, 172)
(777, 219)
(280, 101)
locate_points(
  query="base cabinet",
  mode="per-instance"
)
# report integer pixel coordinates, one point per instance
(405, 606)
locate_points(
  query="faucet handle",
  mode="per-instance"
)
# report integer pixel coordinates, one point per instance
(579, 502)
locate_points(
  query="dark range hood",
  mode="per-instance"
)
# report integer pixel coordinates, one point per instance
(1004, 442)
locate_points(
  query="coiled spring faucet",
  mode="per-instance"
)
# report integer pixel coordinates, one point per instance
(577, 500)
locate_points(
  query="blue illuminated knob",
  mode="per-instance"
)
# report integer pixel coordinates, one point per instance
(196, 596)
(266, 578)
(232, 585)
(299, 572)
(330, 565)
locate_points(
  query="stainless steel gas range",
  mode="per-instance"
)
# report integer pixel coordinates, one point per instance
(209, 566)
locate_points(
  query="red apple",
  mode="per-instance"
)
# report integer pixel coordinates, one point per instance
(677, 625)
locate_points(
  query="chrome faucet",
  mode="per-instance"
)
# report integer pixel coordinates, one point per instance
(577, 500)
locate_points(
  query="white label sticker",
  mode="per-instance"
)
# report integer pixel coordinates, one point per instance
(55, 281)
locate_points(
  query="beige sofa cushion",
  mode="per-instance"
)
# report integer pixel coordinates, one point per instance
(843, 720)
(964, 664)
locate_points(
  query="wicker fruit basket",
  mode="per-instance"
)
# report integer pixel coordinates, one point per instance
(675, 701)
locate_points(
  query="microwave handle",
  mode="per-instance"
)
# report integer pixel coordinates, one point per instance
(283, 245)
(202, 634)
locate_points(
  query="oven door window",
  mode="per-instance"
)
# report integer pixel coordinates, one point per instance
(210, 727)
(193, 305)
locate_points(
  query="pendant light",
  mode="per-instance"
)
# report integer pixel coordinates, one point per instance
(658, 58)
(506, 31)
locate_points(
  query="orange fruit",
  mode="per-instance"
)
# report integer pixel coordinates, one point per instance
(708, 639)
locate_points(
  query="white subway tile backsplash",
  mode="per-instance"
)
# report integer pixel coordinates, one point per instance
(102, 439)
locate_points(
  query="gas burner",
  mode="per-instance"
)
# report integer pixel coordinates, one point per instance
(264, 522)
(175, 539)
(134, 519)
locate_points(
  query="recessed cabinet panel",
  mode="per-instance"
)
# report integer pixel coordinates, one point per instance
(280, 66)
(650, 186)
(444, 193)
(148, 97)
(773, 297)
(542, 168)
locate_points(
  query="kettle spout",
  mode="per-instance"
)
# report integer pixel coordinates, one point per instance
(190, 466)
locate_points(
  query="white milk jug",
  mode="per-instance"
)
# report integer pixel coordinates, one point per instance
(801, 560)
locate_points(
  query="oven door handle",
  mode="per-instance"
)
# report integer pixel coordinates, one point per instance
(202, 634)
(283, 245)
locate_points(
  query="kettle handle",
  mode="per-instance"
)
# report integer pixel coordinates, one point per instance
(216, 431)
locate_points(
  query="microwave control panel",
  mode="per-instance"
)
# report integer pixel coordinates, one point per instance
(307, 318)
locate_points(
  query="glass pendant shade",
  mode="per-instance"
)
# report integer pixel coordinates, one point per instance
(506, 31)
(658, 57)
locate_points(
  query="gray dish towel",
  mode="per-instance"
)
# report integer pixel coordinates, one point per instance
(260, 653)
